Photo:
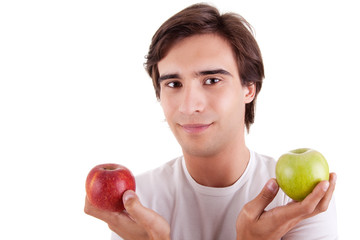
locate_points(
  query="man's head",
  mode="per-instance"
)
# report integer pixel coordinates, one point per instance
(205, 19)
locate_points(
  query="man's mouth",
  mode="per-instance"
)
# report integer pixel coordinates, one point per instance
(195, 128)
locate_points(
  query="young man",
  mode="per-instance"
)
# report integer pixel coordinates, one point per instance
(207, 71)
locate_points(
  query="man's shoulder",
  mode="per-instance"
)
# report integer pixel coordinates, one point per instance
(162, 177)
(162, 181)
(166, 169)
(263, 161)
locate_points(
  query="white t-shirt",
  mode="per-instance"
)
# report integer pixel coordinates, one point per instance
(205, 213)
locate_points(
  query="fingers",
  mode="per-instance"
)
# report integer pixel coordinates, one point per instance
(119, 222)
(137, 211)
(155, 226)
(303, 209)
(131, 203)
(325, 201)
(317, 201)
(96, 212)
(133, 206)
(321, 195)
(137, 222)
(280, 220)
(264, 198)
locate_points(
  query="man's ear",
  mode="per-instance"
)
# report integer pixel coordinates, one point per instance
(249, 91)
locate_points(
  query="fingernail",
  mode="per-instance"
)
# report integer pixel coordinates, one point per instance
(128, 195)
(334, 178)
(326, 186)
(272, 186)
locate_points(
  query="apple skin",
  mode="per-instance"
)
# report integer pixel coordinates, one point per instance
(106, 184)
(299, 171)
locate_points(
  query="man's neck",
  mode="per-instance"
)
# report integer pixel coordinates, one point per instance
(220, 170)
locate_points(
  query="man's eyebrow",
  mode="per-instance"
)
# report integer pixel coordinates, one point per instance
(214, 71)
(201, 73)
(168, 76)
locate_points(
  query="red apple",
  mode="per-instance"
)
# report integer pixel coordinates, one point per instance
(106, 184)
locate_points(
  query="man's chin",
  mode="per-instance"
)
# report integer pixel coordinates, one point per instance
(198, 150)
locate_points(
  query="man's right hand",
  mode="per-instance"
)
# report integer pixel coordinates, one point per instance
(255, 223)
(138, 222)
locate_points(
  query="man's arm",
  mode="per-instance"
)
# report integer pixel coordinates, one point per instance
(255, 223)
(138, 222)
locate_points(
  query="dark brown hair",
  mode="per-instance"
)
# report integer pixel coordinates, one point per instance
(202, 19)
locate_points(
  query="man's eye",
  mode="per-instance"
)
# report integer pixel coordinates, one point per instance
(210, 81)
(174, 84)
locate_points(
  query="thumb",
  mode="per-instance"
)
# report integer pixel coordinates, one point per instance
(265, 197)
(155, 226)
(136, 210)
(131, 202)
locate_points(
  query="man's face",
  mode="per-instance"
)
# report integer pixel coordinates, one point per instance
(202, 95)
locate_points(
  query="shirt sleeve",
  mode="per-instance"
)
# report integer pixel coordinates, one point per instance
(320, 227)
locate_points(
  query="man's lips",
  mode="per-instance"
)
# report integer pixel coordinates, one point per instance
(195, 128)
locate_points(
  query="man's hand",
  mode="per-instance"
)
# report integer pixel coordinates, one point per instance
(137, 222)
(255, 223)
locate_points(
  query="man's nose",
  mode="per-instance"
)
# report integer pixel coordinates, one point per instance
(193, 99)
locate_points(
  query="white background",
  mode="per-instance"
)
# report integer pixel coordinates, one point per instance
(73, 94)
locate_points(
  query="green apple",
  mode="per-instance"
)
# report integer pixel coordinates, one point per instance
(299, 171)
